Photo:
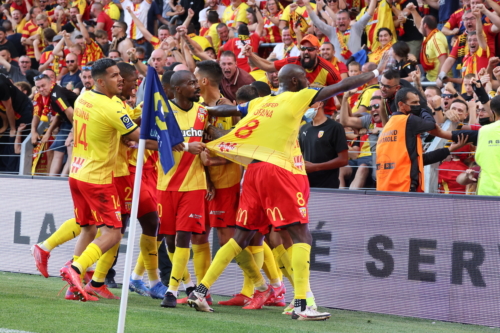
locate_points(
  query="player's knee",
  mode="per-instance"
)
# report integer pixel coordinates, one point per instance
(182, 239)
(300, 233)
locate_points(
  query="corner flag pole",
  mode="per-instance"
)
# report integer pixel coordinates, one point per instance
(131, 236)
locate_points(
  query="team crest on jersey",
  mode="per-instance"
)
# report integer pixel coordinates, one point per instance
(202, 114)
(320, 134)
(118, 215)
(303, 211)
(226, 146)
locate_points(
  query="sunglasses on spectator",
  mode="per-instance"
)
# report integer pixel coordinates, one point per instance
(447, 95)
(40, 25)
(70, 61)
(41, 76)
(386, 86)
(24, 62)
(310, 49)
(374, 106)
(87, 68)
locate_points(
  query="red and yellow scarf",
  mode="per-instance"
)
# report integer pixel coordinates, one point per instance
(426, 64)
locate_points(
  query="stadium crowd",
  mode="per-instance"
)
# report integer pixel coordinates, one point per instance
(437, 62)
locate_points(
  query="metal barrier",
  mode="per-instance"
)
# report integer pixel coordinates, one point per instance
(26, 156)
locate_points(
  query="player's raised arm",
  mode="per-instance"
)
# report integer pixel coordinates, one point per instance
(351, 82)
(224, 110)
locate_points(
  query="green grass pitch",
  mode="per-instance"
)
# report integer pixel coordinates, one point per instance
(30, 303)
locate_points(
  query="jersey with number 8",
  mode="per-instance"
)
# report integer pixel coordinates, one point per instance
(268, 132)
(97, 121)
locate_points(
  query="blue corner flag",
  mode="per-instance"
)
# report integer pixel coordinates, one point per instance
(158, 121)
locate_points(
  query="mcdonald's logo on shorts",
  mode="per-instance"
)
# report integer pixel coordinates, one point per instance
(239, 216)
(273, 213)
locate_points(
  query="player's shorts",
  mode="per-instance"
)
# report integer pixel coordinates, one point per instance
(272, 195)
(124, 188)
(96, 204)
(181, 211)
(222, 208)
(147, 195)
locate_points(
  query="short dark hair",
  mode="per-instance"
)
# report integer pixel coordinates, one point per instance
(221, 25)
(100, 66)
(2, 29)
(213, 17)
(7, 25)
(163, 27)
(211, 70)
(179, 78)
(140, 50)
(384, 29)
(495, 105)
(430, 21)
(101, 34)
(49, 34)
(228, 54)
(246, 94)
(402, 95)
(262, 88)
(354, 63)
(126, 70)
(165, 79)
(401, 49)
(392, 74)
(123, 25)
(456, 100)
(24, 86)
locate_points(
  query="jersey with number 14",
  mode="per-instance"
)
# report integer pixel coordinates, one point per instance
(269, 130)
(98, 122)
(188, 173)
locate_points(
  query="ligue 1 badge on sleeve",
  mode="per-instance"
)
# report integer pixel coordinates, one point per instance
(320, 134)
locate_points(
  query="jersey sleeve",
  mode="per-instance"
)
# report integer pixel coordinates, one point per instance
(342, 68)
(4, 93)
(454, 50)
(303, 99)
(243, 108)
(121, 121)
(255, 42)
(286, 14)
(61, 100)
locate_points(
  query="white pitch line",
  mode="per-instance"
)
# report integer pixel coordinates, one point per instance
(8, 330)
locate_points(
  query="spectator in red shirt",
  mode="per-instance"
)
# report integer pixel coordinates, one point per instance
(327, 52)
(104, 22)
(449, 170)
(237, 44)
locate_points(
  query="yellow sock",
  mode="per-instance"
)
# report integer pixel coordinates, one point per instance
(66, 232)
(290, 252)
(186, 276)
(269, 265)
(91, 254)
(201, 260)
(300, 264)
(149, 252)
(278, 264)
(258, 255)
(247, 263)
(223, 257)
(179, 264)
(139, 268)
(105, 263)
(284, 262)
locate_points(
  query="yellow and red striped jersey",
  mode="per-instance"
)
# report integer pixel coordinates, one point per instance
(188, 173)
(31, 29)
(92, 52)
(97, 123)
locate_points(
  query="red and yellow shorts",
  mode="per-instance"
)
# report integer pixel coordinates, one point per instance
(124, 188)
(147, 195)
(272, 195)
(96, 204)
(222, 208)
(181, 211)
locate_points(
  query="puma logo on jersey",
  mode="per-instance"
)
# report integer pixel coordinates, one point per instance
(177, 280)
(192, 132)
(305, 133)
(217, 212)
(195, 216)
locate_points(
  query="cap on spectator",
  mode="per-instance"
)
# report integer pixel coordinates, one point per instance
(311, 39)
(57, 38)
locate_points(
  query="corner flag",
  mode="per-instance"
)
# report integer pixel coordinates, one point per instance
(158, 121)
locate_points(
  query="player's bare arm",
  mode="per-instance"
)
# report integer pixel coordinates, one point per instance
(223, 110)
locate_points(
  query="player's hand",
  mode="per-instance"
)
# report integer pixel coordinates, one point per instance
(310, 167)
(195, 147)
(179, 147)
(35, 138)
(210, 190)
(462, 141)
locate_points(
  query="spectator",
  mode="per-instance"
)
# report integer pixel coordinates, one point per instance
(163, 31)
(72, 78)
(448, 172)
(235, 14)
(297, 15)
(272, 14)
(324, 146)
(346, 38)
(223, 32)
(5, 44)
(16, 109)
(469, 92)
(120, 41)
(211, 32)
(390, 83)
(384, 39)
(72, 26)
(14, 37)
(104, 22)
(236, 45)
(372, 124)
(87, 82)
(410, 27)
(8, 67)
(91, 50)
(234, 77)
(32, 31)
(50, 60)
(365, 97)
(24, 87)
(262, 88)
(212, 5)
(405, 66)
(327, 52)
(318, 71)
(18, 20)
(101, 37)
(287, 48)
(140, 8)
